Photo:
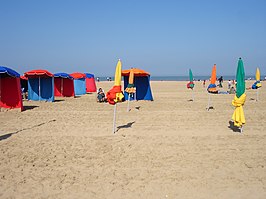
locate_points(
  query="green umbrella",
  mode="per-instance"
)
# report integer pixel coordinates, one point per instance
(240, 78)
(190, 83)
(190, 75)
(240, 97)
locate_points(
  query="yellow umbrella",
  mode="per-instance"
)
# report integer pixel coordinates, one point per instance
(115, 94)
(258, 74)
(257, 83)
(118, 73)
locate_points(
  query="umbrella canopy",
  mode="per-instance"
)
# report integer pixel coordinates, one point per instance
(258, 74)
(63, 75)
(77, 75)
(190, 84)
(130, 87)
(257, 84)
(213, 76)
(38, 73)
(137, 72)
(240, 78)
(212, 86)
(8, 72)
(115, 94)
(240, 97)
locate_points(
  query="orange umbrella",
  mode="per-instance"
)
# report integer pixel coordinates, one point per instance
(130, 87)
(213, 76)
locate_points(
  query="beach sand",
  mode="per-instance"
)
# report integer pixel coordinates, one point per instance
(168, 148)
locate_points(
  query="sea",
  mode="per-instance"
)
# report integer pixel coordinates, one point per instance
(181, 78)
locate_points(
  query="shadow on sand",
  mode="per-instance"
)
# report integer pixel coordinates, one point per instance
(233, 127)
(3, 137)
(25, 108)
(128, 125)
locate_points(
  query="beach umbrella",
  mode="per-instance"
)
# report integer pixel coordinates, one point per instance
(257, 84)
(115, 95)
(240, 96)
(190, 84)
(130, 87)
(212, 87)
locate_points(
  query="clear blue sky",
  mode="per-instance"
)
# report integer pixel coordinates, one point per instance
(163, 37)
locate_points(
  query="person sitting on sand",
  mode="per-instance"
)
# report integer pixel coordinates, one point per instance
(232, 90)
(101, 96)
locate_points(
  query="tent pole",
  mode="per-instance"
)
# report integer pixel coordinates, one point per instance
(62, 87)
(0, 91)
(39, 88)
(114, 122)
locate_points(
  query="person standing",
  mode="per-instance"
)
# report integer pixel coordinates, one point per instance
(220, 81)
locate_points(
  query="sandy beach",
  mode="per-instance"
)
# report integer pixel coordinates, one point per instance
(169, 148)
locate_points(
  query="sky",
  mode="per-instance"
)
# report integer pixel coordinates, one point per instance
(163, 37)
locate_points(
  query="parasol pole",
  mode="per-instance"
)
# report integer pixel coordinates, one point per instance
(128, 102)
(62, 87)
(39, 88)
(209, 102)
(192, 94)
(114, 122)
(257, 94)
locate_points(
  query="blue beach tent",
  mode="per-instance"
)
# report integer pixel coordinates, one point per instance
(141, 83)
(40, 85)
(79, 83)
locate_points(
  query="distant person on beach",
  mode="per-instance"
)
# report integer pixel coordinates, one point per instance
(204, 83)
(101, 96)
(229, 84)
(220, 81)
(97, 79)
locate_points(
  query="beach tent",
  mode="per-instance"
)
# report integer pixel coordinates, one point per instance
(40, 85)
(10, 90)
(141, 83)
(79, 83)
(63, 85)
(90, 83)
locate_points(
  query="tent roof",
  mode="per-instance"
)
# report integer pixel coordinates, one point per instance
(38, 73)
(23, 77)
(137, 72)
(88, 75)
(63, 75)
(8, 72)
(78, 75)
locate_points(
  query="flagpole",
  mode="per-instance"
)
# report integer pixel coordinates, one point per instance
(114, 122)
